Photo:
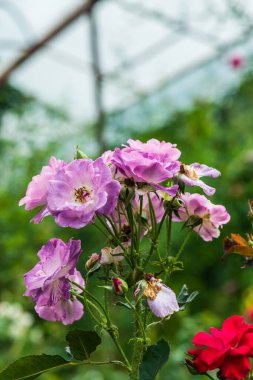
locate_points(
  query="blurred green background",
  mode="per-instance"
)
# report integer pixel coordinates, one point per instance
(218, 134)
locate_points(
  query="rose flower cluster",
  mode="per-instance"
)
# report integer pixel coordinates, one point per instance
(125, 193)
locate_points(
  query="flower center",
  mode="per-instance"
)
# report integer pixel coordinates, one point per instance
(206, 216)
(152, 289)
(82, 194)
(189, 172)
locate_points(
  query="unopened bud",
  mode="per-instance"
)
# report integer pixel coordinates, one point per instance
(120, 286)
(79, 154)
(92, 260)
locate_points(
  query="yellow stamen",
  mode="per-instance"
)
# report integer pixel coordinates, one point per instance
(189, 172)
(81, 194)
(152, 289)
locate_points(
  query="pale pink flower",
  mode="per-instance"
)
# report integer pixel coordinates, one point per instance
(162, 301)
(191, 174)
(37, 190)
(211, 217)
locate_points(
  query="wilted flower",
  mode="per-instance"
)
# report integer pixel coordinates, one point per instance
(94, 258)
(162, 301)
(110, 255)
(106, 256)
(191, 174)
(81, 189)
(36, 193)
(47, 283)
(152, 162)
(237, 244)
(205, 217)
(227, 349)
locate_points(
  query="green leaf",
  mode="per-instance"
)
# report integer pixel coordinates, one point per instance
(183, 295)
(120, 303)
(107, 287)
(184, 298)
(80, 154)
(153, 360)
(30, 367)
(93, 269)
(82, 343)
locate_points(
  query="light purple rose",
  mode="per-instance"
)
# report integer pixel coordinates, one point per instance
(211, 216)
(66, 311)
(191, 174)
(36, 193)
(152, 162)
(48, 282)
(162, 301)
(81, 189)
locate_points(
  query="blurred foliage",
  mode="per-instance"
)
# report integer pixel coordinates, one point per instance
(217, 134)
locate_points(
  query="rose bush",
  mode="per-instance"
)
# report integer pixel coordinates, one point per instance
(131, 195)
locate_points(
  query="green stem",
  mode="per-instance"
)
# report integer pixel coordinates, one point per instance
(115, 238)
(182, 247)
(169, 225)
(133, 227)
(73, 364)
(85, 302)
(152, 217)
(154, 240)
(161, 223)
(138, 348)
(114, 337)
(152, 248)
(145, 315)
(92, 297)
(106, 293)
(100, 229)
(92, 314)
(109, 328)
(113, 225)
(119, 218)
(139, 225)
(138, 317)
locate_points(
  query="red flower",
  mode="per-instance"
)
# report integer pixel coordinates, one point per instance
(227, 349)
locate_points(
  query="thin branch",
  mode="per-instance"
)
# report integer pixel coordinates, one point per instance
(189, 69)
(179, 26)
(36, 46)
